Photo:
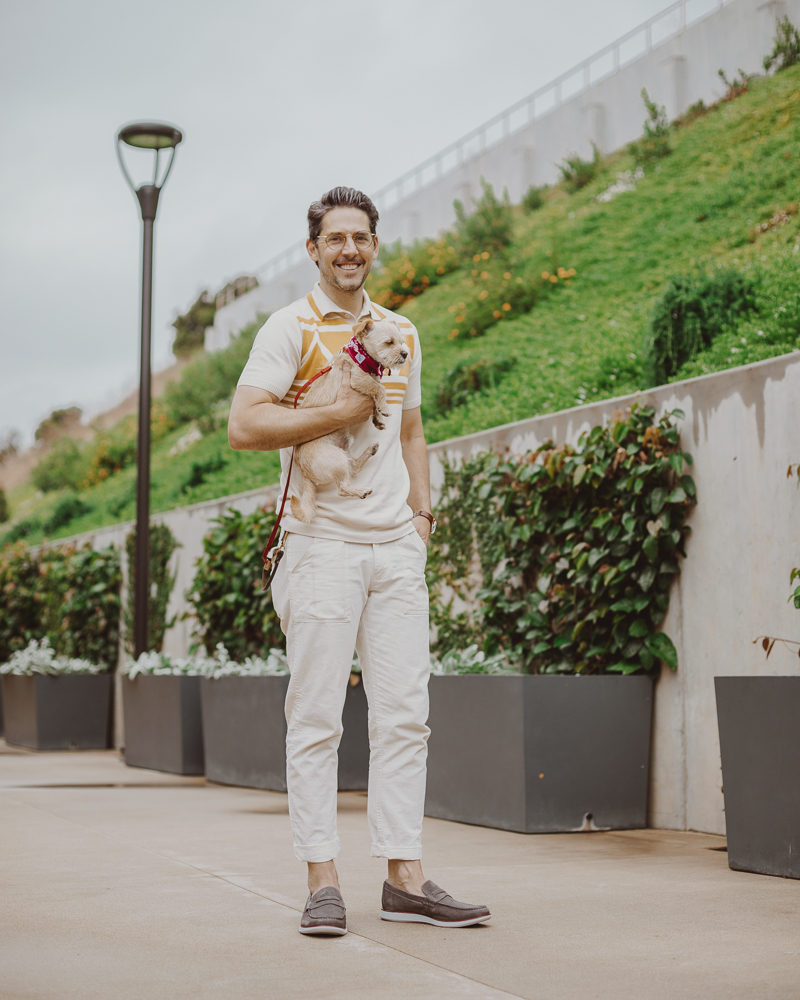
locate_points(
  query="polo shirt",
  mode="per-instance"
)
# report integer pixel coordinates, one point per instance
(292, 346)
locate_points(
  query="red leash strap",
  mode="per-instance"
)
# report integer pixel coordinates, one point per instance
(271, 563)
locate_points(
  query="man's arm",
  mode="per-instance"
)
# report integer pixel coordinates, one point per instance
(258, 423)
(415, 455)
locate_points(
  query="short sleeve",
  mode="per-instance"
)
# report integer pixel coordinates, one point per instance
(413, 394)
(275, 355)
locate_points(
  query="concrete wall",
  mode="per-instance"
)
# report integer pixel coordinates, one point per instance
(743, 429)
(675, 55)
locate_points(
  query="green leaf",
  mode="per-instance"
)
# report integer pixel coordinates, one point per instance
(624, 605)
(629, 522)
(688, 484)
(676, 461)
(580, 472)
(646, 577)
(657, 499)
(661, 646)
(677, 496)
(638, 629)
(641, 601)
(650, 548)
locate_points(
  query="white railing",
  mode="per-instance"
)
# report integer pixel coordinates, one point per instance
(602, 64)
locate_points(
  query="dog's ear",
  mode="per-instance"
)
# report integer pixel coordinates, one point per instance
(363, 326)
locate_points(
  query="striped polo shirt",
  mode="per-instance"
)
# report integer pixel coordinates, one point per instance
(293, 345)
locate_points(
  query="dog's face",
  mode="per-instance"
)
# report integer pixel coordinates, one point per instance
(384, 342)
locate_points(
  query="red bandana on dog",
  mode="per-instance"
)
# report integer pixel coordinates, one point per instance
(355, 350)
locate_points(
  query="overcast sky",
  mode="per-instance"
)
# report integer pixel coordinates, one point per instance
(277, 103)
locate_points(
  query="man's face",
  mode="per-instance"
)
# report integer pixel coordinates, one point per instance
(346, 268)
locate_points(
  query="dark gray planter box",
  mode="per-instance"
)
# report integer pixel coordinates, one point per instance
(759, 738)
(163, 728)
(540, 754)
(71, 711)
(244, 733)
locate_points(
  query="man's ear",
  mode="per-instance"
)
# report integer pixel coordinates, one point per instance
(311, 248)
(363, 326)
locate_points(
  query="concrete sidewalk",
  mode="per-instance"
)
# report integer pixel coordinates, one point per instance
(121, 883)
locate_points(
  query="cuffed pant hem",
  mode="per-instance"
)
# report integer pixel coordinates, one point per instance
(317, 853)
(396, 853)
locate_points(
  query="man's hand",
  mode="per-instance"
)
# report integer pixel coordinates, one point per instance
(351, 406)
(423, 526)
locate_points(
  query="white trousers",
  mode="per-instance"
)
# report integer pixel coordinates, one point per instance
(332, 597)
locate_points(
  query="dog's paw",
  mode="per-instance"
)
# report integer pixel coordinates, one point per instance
(374, 449)
(379, 424)
(363, 494)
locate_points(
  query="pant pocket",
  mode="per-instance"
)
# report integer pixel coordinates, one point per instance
(414, 555)
(318, 584)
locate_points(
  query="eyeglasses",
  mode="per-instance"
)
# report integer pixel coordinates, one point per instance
(335, 241)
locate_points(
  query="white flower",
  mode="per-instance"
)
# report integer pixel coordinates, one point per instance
(39, 658)
(218, 665)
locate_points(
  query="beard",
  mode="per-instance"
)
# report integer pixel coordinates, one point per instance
(337, 279)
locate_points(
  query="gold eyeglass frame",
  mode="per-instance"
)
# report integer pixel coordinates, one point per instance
(325, 239)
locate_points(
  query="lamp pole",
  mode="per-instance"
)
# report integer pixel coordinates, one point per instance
(153, 136)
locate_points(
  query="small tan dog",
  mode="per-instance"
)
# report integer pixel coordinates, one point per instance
(374, 347)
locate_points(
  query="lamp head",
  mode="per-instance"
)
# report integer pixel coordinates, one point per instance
(154, 136)
(150, 135)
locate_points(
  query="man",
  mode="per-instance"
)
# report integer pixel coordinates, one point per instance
(352, 577)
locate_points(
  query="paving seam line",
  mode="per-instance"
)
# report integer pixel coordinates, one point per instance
(260, 895)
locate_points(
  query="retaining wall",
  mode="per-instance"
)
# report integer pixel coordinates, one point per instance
(743, 428)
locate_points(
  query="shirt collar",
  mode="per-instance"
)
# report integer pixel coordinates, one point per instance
(327, 306)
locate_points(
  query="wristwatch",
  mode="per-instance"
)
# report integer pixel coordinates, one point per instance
(430, 517)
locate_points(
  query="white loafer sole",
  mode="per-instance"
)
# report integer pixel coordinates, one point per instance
(338, 931)
(418, 918)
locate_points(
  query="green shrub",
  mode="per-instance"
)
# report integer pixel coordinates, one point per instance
(737, 86)
(68, 595)
(22, 529)
(533, 198)
(468, 378)
(5, 513)
(691, 312)
(200, 471)
(406, 273)
(576, 172)
(63, 466)
(66, 510)
(489, 227)
(190, 329)
(207, 379)
(576, 547)
(654, 143)
(162, 544)
(500, 289)
(226, 596)
(786, 48)
(58, 423)
(20, 617)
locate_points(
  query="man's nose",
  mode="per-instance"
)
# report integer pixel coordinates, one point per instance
(349, 244)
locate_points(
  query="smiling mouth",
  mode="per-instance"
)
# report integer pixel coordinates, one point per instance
(350, 266)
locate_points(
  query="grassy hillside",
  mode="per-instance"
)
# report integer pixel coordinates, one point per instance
(697, 211)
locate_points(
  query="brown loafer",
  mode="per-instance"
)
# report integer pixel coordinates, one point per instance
(436, 907)
(324, 913)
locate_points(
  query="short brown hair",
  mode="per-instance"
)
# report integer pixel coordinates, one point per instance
(340, 197)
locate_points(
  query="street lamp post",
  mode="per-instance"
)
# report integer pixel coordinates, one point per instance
(154, 136)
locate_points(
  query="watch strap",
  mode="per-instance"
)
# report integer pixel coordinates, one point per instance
(430, 517)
